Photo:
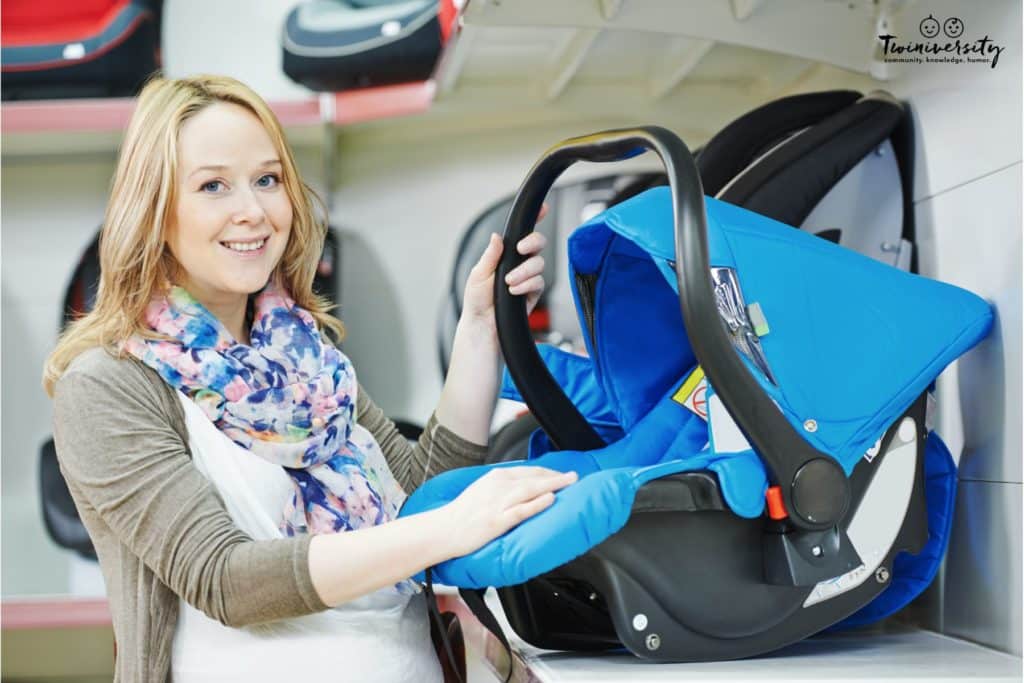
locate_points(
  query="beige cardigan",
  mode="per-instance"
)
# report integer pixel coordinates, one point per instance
(159, 527)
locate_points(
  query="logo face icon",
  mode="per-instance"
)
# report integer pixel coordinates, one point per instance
(953, 27)
(930, 27)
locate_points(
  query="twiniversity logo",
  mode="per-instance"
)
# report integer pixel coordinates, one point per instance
(941, 44)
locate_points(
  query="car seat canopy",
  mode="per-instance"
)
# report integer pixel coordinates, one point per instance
(850, 343)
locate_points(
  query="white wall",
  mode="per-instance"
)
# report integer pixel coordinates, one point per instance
(49, 213)
(967, 202)
(236, 38)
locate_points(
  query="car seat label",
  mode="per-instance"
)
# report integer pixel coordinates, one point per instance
(692, 395)
(726, 436)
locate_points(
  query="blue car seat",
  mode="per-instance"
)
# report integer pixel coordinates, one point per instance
(836, 148)
(749, 427)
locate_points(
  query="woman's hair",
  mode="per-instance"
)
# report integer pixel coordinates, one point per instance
(135, 263)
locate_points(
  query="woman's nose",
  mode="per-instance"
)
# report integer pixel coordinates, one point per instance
(249, 210)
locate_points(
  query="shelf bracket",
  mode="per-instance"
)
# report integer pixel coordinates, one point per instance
(453, 60)
(328, 105)
(610, 8)
(682, 57)
(568, 62)
(742, 9)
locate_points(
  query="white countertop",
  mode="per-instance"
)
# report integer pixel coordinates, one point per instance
(910, 655)
(895, 653)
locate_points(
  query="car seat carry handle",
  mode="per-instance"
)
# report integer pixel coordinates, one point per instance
(814, 487)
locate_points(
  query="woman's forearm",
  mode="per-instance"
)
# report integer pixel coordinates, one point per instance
(349, 565)
(470, 390)
(471, 387)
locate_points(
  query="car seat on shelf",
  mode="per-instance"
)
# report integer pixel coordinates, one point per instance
(750, 424)
(333, 45)
(89, 48)
(808, 160)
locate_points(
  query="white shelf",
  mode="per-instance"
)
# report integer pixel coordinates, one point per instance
(895, 653)
(844, 32)
(860, 657)
(690, 66)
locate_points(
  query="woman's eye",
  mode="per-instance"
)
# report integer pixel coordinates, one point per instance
(268, 180)
(212, 186)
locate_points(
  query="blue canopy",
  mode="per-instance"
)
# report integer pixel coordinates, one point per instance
(852, 341)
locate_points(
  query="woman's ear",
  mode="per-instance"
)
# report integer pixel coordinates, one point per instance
(170, 271)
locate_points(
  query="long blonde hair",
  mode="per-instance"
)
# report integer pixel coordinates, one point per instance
(135, 264)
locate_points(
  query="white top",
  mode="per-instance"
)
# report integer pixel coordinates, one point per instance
(381, 637)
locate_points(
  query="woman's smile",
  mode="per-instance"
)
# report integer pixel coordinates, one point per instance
(246, 249)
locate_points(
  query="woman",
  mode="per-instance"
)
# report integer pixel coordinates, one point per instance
(216, 444)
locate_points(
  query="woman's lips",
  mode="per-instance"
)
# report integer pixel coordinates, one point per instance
(247, 249)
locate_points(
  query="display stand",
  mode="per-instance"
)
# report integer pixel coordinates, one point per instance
(893, 652)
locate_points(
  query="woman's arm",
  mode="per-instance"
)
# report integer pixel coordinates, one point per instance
(348, 565)
(458, 432)
(134, 484)
(470, 390)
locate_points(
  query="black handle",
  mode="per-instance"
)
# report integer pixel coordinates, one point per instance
(815, 490)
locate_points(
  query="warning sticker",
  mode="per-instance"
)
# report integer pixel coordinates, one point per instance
(693, 393)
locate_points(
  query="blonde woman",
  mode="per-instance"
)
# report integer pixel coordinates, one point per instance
(240, 488)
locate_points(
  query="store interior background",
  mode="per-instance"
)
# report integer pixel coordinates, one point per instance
(406, 188)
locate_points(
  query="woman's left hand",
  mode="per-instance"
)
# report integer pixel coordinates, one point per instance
(466, 405)
(526, 278)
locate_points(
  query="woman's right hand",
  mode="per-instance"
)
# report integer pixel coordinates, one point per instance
(498, 501)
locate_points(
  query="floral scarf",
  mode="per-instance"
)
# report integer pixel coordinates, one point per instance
(288, 398)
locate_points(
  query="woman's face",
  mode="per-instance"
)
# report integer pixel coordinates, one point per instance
(232, 216)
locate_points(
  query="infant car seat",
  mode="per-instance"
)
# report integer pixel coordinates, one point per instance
(88, 48)
(749, 428)
(332, 45)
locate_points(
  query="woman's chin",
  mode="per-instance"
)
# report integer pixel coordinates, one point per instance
(248, 285)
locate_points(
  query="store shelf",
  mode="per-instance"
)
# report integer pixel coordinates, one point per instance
(689, 66)
(897, 653)
(52, 126)
(57, 638)
(845, 36)
(18, 614)
(373, 104)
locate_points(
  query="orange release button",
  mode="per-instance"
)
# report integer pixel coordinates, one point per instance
(776, 508)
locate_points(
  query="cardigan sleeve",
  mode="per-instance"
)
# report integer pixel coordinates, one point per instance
(437, 450)
(131, 476)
